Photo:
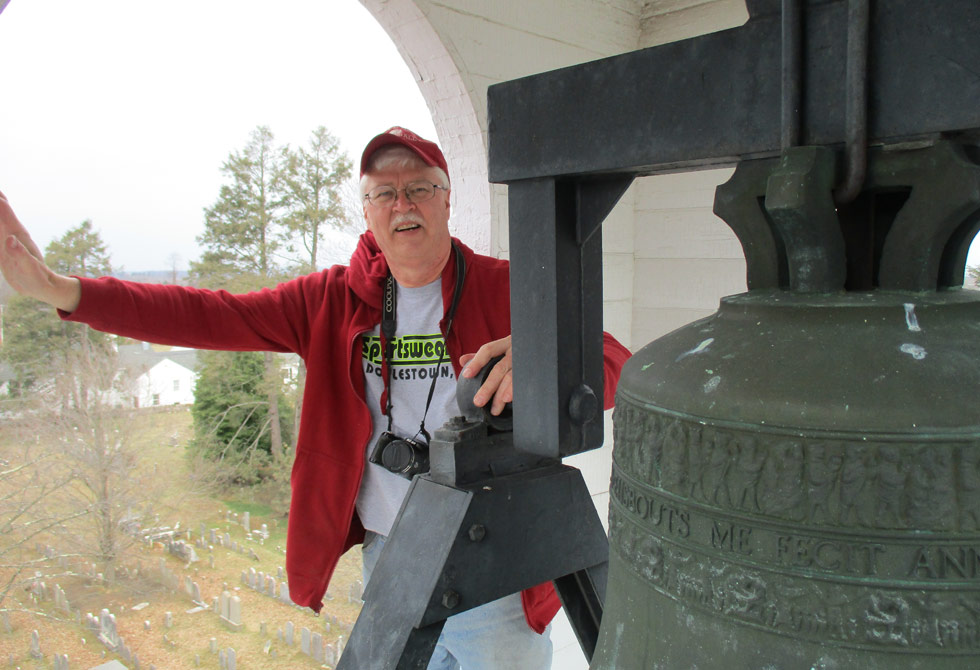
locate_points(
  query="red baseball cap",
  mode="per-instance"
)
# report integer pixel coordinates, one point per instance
(428, 151)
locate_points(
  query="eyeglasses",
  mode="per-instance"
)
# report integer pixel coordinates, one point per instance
(416, 192)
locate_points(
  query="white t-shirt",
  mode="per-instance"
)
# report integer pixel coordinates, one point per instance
(418, 347)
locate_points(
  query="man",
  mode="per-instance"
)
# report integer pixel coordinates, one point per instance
(374, 375)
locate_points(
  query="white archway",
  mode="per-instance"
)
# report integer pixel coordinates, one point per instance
(453, 115)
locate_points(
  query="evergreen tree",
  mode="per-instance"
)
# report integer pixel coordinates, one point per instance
(80, 251)
(243, 238)
(32, 331)
(233, 425)
(244, 230)
(312, 178)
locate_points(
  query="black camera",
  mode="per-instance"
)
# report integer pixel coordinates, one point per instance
(401, 455)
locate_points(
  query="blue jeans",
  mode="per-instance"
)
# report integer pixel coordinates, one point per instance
(494, 636)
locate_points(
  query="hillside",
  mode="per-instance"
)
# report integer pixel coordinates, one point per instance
(158, 619)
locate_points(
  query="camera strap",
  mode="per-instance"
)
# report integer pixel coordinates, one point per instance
(389, 327)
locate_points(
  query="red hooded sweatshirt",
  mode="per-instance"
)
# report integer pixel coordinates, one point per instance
(321, 317)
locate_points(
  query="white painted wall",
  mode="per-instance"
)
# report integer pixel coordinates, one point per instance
(665, 21)
(685, 258)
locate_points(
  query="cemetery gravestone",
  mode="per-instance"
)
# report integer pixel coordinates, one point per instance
(316, 646)
(36, 645)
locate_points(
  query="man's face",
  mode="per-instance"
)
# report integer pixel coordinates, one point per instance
(413, 236)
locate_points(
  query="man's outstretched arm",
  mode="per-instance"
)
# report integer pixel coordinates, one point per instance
(22, 265)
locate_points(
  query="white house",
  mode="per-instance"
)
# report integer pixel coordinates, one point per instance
(157, 377)
(166, 383)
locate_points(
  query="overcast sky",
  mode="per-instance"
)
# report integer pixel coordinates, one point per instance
(122, 111)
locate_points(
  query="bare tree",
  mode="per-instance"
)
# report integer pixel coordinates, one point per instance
(69, 475)
(73, 488)
(30, 482)
(175, 262)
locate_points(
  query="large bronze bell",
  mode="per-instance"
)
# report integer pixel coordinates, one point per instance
(796, 478)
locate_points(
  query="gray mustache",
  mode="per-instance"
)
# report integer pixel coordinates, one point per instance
(409, 217)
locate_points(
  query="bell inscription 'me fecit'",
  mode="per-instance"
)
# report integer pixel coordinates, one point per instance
(796, 478)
